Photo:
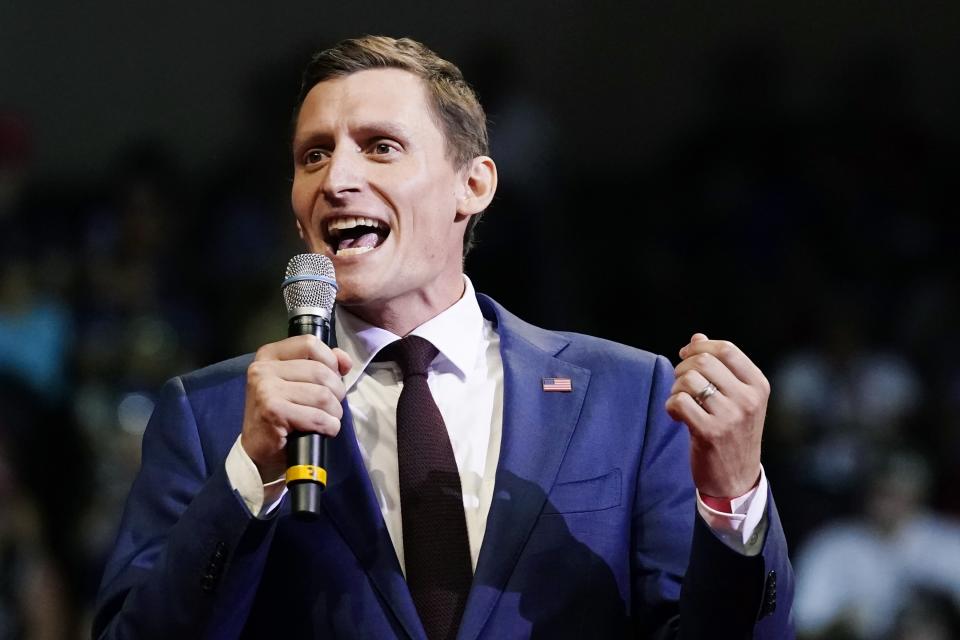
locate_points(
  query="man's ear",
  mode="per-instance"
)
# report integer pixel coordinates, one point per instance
(478, 186)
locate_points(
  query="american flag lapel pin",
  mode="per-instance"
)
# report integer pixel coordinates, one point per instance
(557, 384)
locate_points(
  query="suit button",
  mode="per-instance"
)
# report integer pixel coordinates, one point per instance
(219, 554)
(769, 604)
(214, 568)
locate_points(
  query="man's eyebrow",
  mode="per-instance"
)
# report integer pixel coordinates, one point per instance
(378, 128)
(310, 138)
(383, 128)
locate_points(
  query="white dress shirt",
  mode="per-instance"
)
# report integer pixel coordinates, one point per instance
(466, 380)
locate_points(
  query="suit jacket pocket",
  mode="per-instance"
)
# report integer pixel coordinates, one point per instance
(593, 494)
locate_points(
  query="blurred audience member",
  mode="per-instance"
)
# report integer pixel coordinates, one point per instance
(34, 327)
(929, 615)
(838, 403)
(858, 576)
(45, 482)
(34, 330)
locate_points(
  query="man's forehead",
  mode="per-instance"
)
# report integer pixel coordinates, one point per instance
(369, 103)
(369, 92)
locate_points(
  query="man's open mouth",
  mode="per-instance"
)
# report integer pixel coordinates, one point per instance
(352, 235)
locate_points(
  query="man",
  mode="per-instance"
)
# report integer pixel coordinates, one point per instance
(580, 514)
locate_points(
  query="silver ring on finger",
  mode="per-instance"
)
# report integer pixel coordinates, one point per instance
(705, 393)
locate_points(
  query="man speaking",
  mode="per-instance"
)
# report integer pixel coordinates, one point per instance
(485, 478)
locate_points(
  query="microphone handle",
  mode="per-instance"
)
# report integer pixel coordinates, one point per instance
(307, 451)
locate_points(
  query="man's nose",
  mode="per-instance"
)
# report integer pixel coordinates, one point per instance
(344, 172)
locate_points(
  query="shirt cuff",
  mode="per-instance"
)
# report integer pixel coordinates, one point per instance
(744, 529)
(261, 499)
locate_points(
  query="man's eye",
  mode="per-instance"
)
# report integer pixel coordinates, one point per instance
(314, 156)
(384, 148)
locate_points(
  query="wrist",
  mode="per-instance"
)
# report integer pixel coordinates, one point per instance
(269, 471)
(718, 503)
(724, 503)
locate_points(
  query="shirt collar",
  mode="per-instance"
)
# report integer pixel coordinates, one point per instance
(457, 333)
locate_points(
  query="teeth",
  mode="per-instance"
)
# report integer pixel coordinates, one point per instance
(349, 222)
(353, 251)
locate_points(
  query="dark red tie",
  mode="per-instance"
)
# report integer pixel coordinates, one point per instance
(435, 545)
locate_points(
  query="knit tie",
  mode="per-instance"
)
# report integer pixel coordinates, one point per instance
(435, 544)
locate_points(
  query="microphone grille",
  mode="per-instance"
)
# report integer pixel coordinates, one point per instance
(310, 281)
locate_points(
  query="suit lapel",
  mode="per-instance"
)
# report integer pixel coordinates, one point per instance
(350, 502)
(537, 427)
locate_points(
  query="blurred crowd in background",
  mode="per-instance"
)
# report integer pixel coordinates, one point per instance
(823, 243)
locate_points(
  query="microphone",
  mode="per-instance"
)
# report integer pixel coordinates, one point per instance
(309, 289)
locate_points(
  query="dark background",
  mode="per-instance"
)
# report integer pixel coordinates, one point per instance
(780, 175)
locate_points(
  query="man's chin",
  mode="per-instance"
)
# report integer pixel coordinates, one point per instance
(352, 294)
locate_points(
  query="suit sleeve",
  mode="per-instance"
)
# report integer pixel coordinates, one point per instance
(686, 583)
(188, 556)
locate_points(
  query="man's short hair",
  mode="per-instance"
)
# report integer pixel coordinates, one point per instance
(454, 102)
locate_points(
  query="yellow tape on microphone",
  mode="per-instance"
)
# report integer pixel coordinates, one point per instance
(308, 472)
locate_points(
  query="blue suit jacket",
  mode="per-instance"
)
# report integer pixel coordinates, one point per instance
(592, 530)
